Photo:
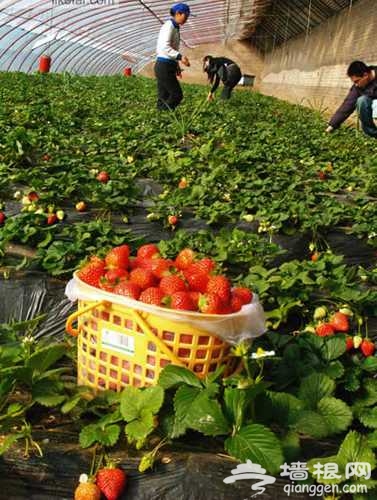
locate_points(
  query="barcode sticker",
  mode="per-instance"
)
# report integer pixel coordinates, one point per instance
(118, 341)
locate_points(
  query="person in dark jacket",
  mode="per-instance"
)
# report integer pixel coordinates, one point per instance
(224, 69)
(168, 57)
(361, 96)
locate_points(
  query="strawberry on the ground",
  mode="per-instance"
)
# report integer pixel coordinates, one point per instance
(210, 303)
(111, 481)
(184, 258)
(349, 343)
(92, 271)
(339, 322)
(324, 330)
(367, 347)
(161, 267)
(182, 301)
(197, 281)
(144, 278)
(152, 295)
(148, 251)
(171, 284)
(127, 289)
(205, 266)
(87, 490)
(243, 293)
(118, 257)
(221, 286)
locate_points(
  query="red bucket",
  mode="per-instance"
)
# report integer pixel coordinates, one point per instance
(127, 71)
(44, 64)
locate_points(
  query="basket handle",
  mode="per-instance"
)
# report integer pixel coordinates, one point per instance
(162, 346)
(73, 317)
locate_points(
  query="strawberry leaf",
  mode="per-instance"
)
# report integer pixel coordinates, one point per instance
(256, 443)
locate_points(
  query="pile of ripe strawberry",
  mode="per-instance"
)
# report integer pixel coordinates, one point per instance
(185, 283)
(339, 322)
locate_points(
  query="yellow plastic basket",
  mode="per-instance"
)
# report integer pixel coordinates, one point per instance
(120, 346)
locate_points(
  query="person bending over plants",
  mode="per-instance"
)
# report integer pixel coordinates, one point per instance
(224, 69)
(361, 96)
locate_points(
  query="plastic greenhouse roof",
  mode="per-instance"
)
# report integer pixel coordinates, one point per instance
(95, 37)
(104, 36)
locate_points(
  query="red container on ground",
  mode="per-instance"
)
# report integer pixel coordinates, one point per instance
(44, 64)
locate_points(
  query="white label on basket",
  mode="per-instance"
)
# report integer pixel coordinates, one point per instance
(118, 341)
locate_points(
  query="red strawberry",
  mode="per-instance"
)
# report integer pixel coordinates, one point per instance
(161, 267)
(118, 257)
(221, 286)
(184, 258)
(111, 481)
(324, 330)
(339, 322)
(2, 218)
(92, 271)
(182, 301)
(367, 348)
(133, 263)
(195, 296)
(52, 219)
(236, 303)
(148, 251)
(210, 303)
(115, 275)
(152, 295)
(171, 284)
(103, 177)
(314, 257)
(106, 285)
(205, 265)
(197, 281)
(33, 196)
(243, 293)
(173, 220)
(127, 289)
(349, 343)
(226, 309)
(144, 278)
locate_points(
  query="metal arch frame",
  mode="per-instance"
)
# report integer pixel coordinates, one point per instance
(79, 17)
(120, 38)
(100, 22)
(115, 56)
(73, 53)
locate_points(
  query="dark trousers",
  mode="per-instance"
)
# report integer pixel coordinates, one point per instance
(168, 88)
(233, 76)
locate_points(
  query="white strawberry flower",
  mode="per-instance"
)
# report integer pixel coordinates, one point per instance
(261, 353)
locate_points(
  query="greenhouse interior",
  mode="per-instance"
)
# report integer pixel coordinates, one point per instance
(188, 247)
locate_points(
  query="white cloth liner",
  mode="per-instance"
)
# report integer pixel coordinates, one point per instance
(234, 328)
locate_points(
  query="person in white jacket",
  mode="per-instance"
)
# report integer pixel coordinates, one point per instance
(168, 58)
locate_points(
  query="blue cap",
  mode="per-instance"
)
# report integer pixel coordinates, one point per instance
(183, 8)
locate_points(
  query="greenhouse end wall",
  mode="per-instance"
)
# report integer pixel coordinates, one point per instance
(311, 69)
